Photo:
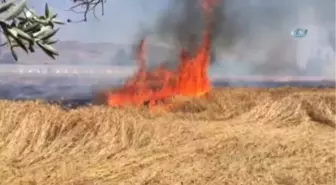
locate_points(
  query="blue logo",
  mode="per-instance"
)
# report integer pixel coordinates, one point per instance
(299, 32)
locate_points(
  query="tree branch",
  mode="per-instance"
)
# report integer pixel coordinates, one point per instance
(85, 7)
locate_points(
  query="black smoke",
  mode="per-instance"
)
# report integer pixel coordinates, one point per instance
(184, 22)
(254, 34)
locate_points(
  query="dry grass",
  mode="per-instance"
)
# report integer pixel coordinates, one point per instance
(237, 136)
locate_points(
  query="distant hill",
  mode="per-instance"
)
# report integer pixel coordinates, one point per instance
(73, 52)
(77, 53)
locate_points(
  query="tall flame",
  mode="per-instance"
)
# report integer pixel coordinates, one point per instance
(190, 78)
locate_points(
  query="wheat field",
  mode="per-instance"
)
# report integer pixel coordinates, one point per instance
(235, 136)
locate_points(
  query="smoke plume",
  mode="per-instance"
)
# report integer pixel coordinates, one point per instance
(253, 36)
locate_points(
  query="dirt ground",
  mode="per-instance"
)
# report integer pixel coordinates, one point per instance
(236, 136)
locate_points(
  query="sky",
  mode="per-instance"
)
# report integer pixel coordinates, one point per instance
(261, 30)
(120, 23)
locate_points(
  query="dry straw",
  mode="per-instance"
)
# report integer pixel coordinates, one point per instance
(233, 136)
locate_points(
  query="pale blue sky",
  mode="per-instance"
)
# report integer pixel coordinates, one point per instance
(120, 23)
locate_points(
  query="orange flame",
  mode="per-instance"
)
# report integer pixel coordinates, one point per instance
(190, 79)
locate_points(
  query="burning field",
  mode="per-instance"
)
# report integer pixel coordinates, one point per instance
(240, 136)
(190, 132)
(189, 79)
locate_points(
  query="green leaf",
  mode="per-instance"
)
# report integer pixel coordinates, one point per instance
(53, 16)
(21, 44)
(58, 22)
(46, 10)
(16, 10)
(12, 32)
(31, 47)
(48, 49)
(50, 42)
(32, 27)
(24, 35)
(14, 54)
(22, 19)
(49, 35)
(45, 30)
(5, 6)
(22, 22)
(42, 22)
(23, 28)
(3, 25)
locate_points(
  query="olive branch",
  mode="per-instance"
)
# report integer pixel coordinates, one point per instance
(24, 29)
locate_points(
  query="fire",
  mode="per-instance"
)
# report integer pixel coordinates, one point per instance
(190, 78)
